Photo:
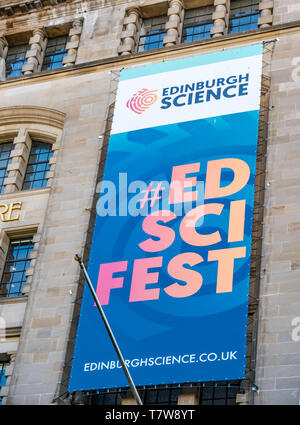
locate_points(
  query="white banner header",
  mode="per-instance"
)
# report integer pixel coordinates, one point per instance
(197, 92)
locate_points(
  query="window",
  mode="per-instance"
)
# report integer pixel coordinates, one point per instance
(211, 393)
(38, 165)
(219, 393)
(112, 398)
(55, 52)
(159, 396)
(152, 33)
(36, 169)
(244, 15)
(197, 24)
(168, 396)
(15, 59)
(3, 365)
(5, 150)
(16, 263)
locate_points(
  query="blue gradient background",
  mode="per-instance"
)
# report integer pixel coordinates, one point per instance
(205, 322)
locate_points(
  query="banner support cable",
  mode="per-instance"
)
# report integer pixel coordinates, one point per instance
(256, 274)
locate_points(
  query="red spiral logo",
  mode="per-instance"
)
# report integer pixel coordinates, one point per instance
(142, 100)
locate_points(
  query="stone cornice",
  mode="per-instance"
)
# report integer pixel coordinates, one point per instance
(20, 8)
(116, 61)
(11, 8)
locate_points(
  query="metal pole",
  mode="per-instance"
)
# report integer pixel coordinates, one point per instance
(110, 332)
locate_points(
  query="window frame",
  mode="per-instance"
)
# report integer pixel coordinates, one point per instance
(160, 32)
(231, 17)
(13, 263)
(203, 22)
(37, 144)
(9, 48)
(45, 56)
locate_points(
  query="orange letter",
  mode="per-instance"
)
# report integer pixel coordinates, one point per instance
(192, 278)
(187, 226)
(236, 221)
(213, 177)
(165, 234)
(179, 182)
(226, 257)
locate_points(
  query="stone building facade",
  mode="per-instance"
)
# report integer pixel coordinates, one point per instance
(59, 66)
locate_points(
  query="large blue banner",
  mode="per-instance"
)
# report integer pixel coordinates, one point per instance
(170, 257)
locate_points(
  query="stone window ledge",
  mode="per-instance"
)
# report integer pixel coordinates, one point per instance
(24, 193)
(14, 300)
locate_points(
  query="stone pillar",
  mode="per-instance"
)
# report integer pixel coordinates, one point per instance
(34, 55)
(266, 13)
(19, 156)
(4, 244)
(174, 23)
(32, 256)
(8, 373)
(220, 18)
(129, 35)
(73, 43)
(189, 396)
(52, 163)
(3, 51)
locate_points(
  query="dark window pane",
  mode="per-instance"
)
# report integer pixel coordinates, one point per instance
(197, 24)
(167, 396)
(219, 402)
(15, 59)
(206, 402)
(207, 393)
(5, 149)
(55, 52)
(38, 166)
(163, 396)
(219, 392)
(244, 15)
(152, 33)
(3, 366)
(113, 398)
(151, 397)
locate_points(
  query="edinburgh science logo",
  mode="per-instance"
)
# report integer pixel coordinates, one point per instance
(142, 100)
